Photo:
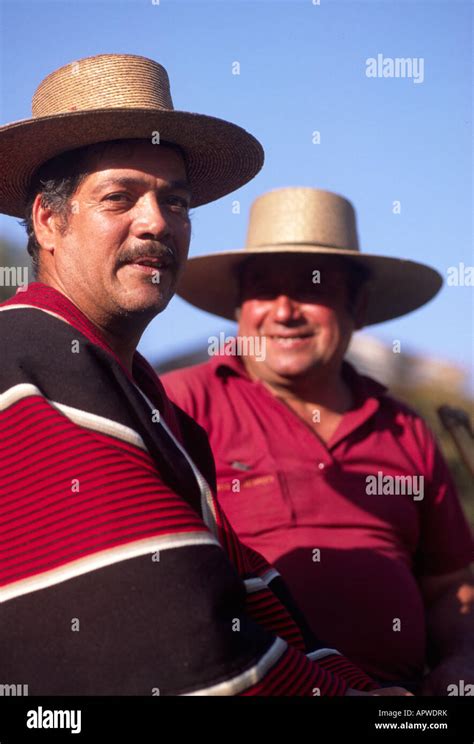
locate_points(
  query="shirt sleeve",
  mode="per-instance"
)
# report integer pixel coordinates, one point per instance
(446, 542)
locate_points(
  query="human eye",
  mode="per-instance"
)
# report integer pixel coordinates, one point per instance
(117, 196)
(179, 203)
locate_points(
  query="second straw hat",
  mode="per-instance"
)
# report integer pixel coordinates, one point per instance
(302, 221)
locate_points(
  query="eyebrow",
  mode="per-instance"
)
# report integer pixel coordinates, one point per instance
(181, 185)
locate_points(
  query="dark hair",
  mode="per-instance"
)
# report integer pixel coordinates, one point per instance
(357, 274)
(57, 181)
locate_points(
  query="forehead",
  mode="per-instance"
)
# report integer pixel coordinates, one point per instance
(292, 268)
(156, 160)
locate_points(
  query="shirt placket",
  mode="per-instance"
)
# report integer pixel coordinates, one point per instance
(314, 448)
(324, 455)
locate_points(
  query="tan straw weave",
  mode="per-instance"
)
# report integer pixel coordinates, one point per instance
(121, 96)
(302, 221)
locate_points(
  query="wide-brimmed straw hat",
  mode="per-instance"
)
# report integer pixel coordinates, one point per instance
(121, 96)
(303, 221)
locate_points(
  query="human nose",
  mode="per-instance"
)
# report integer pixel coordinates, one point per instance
(285, 308)
(151, 219)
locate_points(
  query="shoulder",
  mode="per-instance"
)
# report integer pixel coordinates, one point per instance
(415, 436)
(200, 390)
(400, 421)
(186, 374)
(391, 410)
(404, 414)
(399, 408)
(29, 335)
(188, 381)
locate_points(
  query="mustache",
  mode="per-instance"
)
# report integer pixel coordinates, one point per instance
(160, 251)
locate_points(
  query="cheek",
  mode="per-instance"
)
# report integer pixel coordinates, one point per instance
(181, 233)
(183, 238)
(320, 315)
(252, 313)
(335, 323)
(96, 232)
(95, 246)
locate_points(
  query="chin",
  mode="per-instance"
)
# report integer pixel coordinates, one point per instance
(138, 292)
(289, 367)
(142, 302)
(290, 371)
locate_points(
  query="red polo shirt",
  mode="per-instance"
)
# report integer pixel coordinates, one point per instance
(350, 558)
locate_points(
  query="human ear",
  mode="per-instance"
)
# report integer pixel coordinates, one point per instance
(45, 223)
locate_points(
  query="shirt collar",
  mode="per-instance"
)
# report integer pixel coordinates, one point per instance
(232, 364)
(362, 386)
(366, 392)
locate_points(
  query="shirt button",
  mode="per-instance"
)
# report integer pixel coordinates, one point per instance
(321, 465)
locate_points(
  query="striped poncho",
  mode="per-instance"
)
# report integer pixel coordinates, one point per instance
(119, 574)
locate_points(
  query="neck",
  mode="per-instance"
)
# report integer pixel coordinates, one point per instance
(324, 389)
(123, 345)
(120, 332)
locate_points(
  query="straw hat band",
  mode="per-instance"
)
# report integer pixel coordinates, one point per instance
(130, 82)
(302, 247)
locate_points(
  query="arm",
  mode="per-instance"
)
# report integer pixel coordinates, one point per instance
(449, 602)
(278, 593)
(445, 550)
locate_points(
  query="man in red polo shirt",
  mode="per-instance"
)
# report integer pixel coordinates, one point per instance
(337, 484)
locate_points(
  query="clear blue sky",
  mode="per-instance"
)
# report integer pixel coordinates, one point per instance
(302, 69)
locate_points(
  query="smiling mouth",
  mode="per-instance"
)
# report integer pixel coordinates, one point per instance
(290, 342)
(150, 265)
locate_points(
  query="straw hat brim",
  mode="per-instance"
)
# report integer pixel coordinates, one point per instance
(221, 156)
(397, 286)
